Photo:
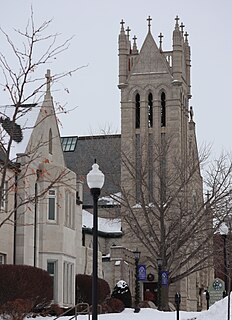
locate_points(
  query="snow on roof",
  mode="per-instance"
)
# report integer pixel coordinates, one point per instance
(104, 225)
(113, 199)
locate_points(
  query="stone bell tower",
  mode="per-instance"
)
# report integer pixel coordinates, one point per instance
(155, 93)
(157, 128)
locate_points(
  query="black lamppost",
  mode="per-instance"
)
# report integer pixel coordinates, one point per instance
(95, 181)
(224, 231)
(137, 256)
(159, 263)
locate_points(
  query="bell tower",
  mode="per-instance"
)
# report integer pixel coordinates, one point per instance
(158, 150)
(155, 93)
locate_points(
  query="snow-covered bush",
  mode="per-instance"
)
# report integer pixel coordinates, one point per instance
(122, 292)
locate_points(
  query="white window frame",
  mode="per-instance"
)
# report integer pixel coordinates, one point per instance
(51, 197)
(2, 258)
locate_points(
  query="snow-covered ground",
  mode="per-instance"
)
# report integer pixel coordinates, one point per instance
(218, 311)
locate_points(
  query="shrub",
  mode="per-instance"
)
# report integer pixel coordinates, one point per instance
(122, 292)
(113, 305)
(25, 288)
(84, 289)
(16, 310)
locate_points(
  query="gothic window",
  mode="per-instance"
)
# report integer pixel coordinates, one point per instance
(50, 141)
(163, 109)
(150, 110)
(137, 111)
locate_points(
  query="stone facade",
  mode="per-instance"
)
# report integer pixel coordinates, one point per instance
(159, 152)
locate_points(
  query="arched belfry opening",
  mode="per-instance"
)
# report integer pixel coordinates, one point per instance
(150, 110)
(137, 111)
(163, 109)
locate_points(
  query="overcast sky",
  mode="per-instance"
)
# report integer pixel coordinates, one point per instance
(95, 25)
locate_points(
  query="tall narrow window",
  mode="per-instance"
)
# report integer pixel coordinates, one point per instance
(137, 111)
(52, 270)
(52, 205)
(4, 196)
(163, 110)
(150, 110)
(50, 141)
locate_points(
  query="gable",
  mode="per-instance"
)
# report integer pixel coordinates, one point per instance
(150, 59)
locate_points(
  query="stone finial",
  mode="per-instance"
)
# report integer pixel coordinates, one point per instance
(186, 36)
(135, 49)
(149, 23)
(122, 25)
(49, 80)
(177, 22)
(160, 40)
(182, 28)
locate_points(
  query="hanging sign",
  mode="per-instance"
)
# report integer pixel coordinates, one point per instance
(164, 278)
(142, 272)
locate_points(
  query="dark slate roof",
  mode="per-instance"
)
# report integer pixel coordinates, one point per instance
(106, 150)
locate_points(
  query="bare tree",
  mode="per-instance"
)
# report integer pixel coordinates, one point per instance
(20, 67)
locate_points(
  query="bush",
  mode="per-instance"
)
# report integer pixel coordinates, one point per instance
(24, 288)
(84, 289)
(122, 292)
(113, 305)
(16, 310)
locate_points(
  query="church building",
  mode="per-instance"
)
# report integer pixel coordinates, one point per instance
(152, 172)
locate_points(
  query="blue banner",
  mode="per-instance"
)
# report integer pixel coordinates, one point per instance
(142, 272)
(164, 278)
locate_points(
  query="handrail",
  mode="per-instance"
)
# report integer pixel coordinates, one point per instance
(84, 311)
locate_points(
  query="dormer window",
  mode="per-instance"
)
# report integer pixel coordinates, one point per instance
(137, 111)
(163, 109)
(50, 141)
(150, 110)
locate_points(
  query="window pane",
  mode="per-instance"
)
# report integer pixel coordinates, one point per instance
(51, 268)
(51, 209)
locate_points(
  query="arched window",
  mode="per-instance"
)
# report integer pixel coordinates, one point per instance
(137, 111)
(163, 109)
(50, 141)
(150, 110)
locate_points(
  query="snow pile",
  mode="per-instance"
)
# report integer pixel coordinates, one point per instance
(218, 311)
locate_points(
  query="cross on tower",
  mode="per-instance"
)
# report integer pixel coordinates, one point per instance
(135, 38)
(122, 23)
(186, 36)
(160, 41)
(49, 79)
(177, 20)
(182, 27)
(128, 31)
(149, 23)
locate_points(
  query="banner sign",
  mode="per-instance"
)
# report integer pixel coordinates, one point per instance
(164, 278)
(142, 272)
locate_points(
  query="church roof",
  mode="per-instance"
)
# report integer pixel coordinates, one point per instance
(80, 153)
